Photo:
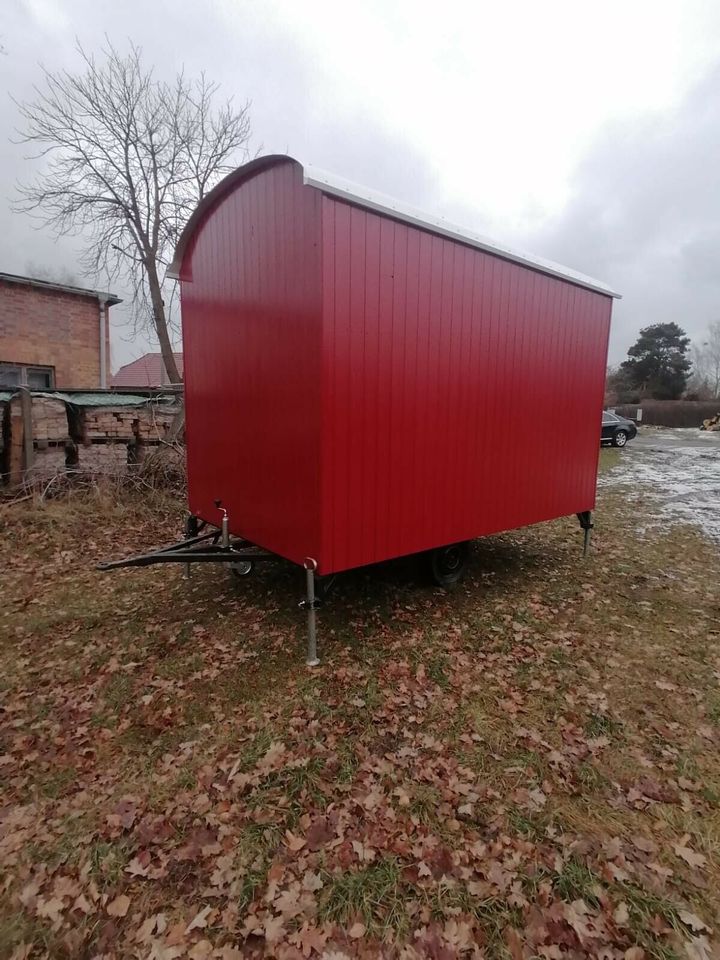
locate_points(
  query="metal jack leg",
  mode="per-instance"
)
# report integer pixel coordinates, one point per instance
(191, 530)
(310, 604)
(587, 524)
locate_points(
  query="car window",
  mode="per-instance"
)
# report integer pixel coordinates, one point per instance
(610, 418)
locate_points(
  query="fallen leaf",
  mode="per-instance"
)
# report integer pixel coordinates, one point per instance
(689, 856)
(621, 914)
(294, 842)
(356, 931)
(201, 951)
(644, 844)
(119, 906)
(311, 881)
(319, 833)
(308, 939)
(51, 908)
(199, 922)
(274, 928)
(693, 921)
(176, 934)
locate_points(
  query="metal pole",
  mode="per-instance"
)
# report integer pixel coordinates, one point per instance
(310, 568)
(191, 529)
(103, 345)
(586, 522)
(28, 447)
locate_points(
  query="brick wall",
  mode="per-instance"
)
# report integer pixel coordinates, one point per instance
(52, 328)
(83, 440)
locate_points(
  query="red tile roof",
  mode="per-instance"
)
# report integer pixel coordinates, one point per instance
(146, 371)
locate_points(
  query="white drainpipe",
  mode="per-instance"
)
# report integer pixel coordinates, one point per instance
(103, 347)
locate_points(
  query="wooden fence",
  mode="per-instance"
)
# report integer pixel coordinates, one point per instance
(669, 413)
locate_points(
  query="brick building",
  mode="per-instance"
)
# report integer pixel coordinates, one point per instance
(53, 335)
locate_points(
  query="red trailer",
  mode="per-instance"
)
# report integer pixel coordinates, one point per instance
(364, 382)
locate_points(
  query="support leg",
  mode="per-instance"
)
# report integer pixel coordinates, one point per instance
(191, 530)
(586, 522)
(310, 604)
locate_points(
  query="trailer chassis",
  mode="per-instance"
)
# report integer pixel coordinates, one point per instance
(219, 546)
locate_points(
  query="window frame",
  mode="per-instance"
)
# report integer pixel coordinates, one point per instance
(23, 369)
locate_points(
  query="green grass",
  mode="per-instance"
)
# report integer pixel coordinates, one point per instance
(521, 823)
(374, 895)
(438, 668)
(424, 802)
(643, 907)
(107, 861)
(602, 725)
(576, 881)
(118, 692)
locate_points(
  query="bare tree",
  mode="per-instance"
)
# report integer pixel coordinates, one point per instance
(127, 158)
(706, 362)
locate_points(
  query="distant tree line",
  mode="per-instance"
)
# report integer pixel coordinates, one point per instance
(663, 365)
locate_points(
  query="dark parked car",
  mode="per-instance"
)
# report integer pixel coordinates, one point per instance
(616, 430)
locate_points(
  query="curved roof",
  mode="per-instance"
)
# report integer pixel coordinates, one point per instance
(370, 200)
(226, 185)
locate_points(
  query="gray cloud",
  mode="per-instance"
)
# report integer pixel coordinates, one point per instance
(644, 215)
(262, 62)
(642, 212)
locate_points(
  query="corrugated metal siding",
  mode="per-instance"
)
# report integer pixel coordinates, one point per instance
(251, 343)
(462, 393)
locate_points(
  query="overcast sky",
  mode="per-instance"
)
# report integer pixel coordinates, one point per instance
(584, 132)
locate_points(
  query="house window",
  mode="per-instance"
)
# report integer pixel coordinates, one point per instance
(21, 375)
(39, 378)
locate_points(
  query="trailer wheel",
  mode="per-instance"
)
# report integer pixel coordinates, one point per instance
(447, 564)
(242, 568)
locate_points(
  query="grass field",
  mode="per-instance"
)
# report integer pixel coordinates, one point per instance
(528, 766)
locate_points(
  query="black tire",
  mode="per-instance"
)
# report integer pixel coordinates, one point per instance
(620, 438)
(242, 568)
(448, 564)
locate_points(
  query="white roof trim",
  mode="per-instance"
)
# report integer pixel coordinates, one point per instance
(370, 200)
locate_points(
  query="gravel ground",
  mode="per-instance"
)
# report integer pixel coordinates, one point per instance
(678, 472)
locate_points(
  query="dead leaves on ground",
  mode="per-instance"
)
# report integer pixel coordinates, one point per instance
(477, 787)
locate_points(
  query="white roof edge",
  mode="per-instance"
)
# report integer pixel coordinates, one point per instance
(369, 199)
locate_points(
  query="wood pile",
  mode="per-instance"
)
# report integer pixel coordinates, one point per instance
(712, 423)
(49, 419)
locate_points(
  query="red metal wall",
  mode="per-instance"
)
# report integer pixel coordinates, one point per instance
(250, 286)
(462, 393)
